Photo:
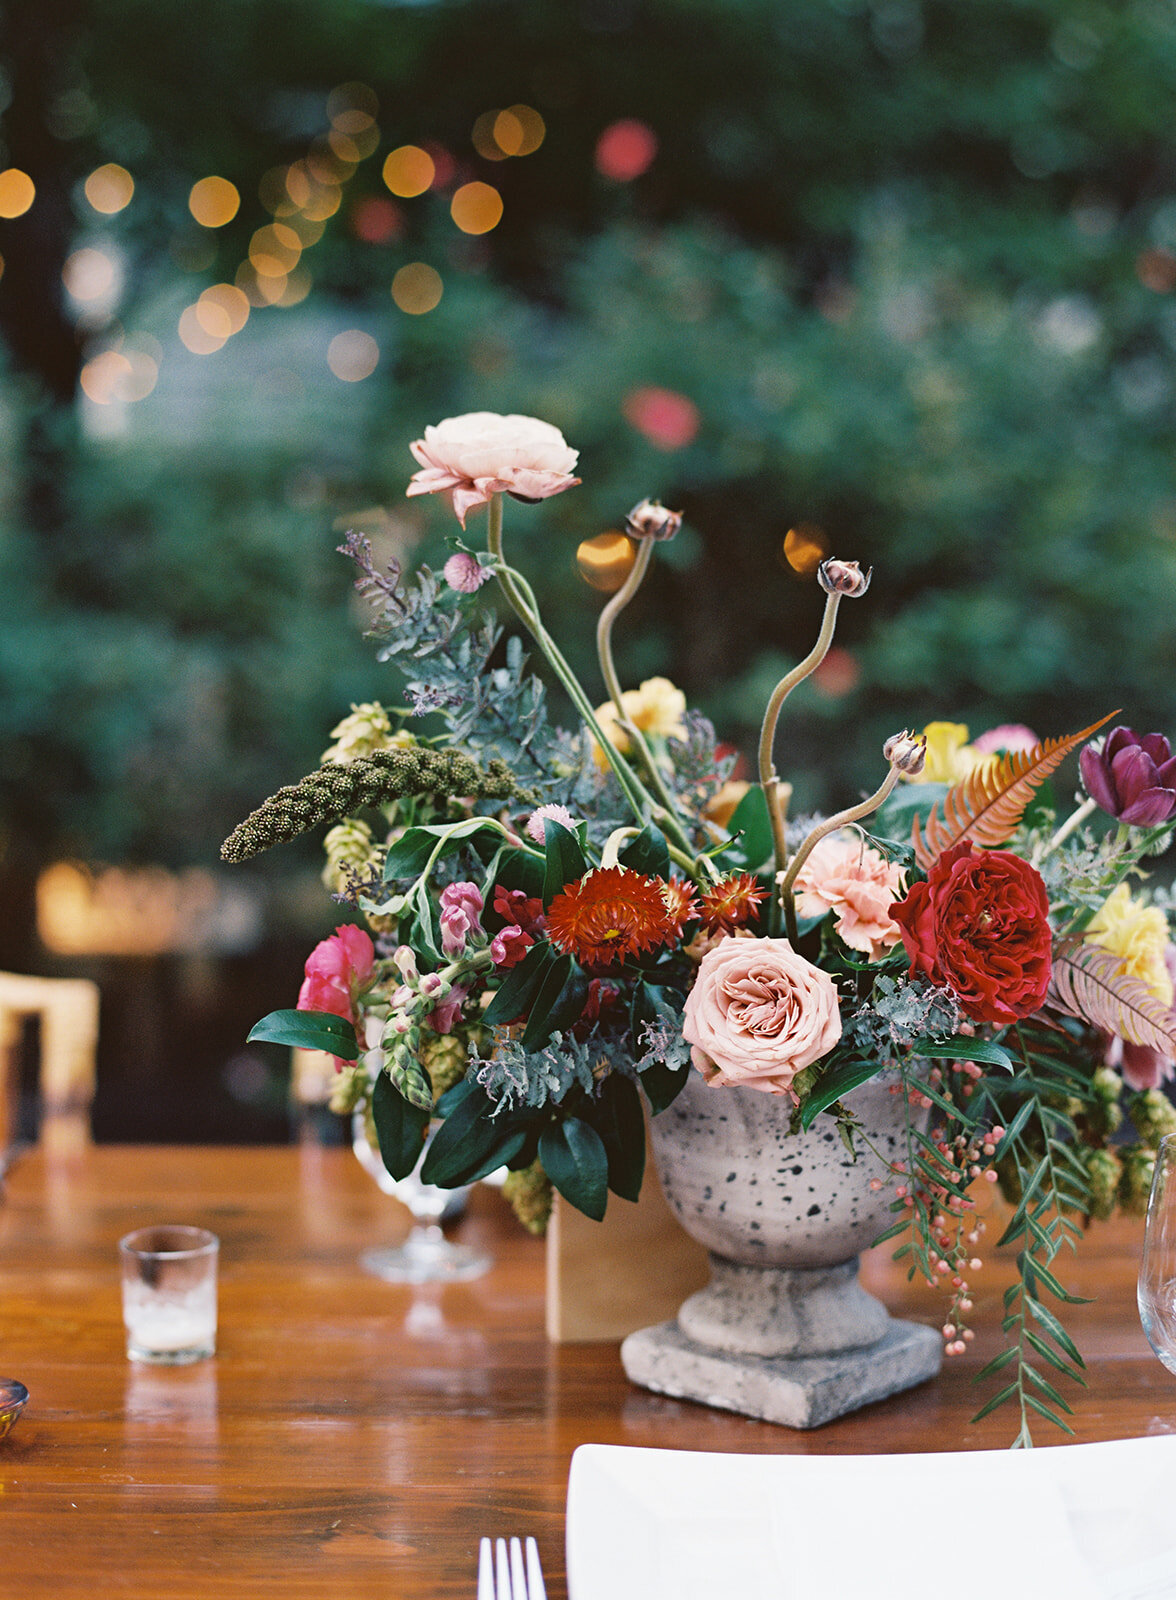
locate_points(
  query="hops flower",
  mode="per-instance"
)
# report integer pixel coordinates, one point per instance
(472, 457)
(367, 728)
(608, 915)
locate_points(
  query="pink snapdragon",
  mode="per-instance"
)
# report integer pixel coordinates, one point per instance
(461, 910)
(523, 918)
(337, 972)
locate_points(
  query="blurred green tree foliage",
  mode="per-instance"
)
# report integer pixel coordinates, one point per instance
(904, 269)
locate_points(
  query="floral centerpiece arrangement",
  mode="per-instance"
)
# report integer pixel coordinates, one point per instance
(555, 927)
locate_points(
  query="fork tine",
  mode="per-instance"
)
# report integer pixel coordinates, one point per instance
(518, 1576)
(485, 1571)
(536, 1588)
(504, 1590)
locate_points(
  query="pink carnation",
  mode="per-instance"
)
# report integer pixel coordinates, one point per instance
(758, 1014)
(337, 971)
(472, 457)
(858, 885)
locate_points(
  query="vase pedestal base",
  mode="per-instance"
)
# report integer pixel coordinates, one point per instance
(797, 1391)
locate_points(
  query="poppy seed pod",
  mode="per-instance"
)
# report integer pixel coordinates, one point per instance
(650, 520)
(843, 577)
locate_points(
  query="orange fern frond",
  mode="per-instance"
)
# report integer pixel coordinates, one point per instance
(987, 805)
(1088, 983)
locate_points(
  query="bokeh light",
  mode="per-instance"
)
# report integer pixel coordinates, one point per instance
(274, 250)
(837, 674)
(214, 201)
(223, 308)
(295, 288)
(1156, 270)
(326, 165)
(353, 355)
(88, 274)
(350, 101)
(119, 375)
(519, 131)
(194, 336)
(667, 419)
(354, 147)
(805, 548)
(476, 207)
(625, 150)
(606, 561)
(376, 220)
(274, 193)
(417, 288)
(409, 171)
(483, 140)
(109, 188)
(17, 192)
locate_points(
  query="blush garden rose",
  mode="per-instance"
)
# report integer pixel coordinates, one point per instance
(979, 926)
(476, 456)
(758, 1014)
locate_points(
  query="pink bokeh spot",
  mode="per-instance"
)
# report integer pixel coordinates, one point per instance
(667, 419)
(625, 150)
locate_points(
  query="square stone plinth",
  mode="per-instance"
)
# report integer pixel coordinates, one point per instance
(799, 1392)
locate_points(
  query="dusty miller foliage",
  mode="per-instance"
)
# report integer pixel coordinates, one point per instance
(515, 1077)
(896, 1015)
(663, 1045)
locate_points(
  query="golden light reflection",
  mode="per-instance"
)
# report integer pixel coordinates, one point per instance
(308, 230)
(214, 319)
(353, 355)
(519, 131)
(270, 289)
(354, 147)
(274, 193)
(417, 288)
(805, 548)
(17, 192)
(476, 207)
(274, 250)
(214, 201)
(606, 561)
(126, 375)
(348, 100)
(323, 203)
(88, 274)
(109, 188)
(483, 140)
(409, 171)
(121, 911)
(232, 304)
(295, 288)
(195, 337)
(326, 165)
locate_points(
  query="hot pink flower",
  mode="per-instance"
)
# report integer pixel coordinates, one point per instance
(444, 1015)
(461, 907)
(523, 916)
(859, 886)
(1009, 736)
(472, 457)
(758, 1014)
(337, 970)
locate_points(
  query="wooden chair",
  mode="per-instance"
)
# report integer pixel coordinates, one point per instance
(68, 1013)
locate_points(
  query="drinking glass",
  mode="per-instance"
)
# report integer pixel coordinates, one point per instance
(169, 1293)
(1157, 1269)
(426, 1256)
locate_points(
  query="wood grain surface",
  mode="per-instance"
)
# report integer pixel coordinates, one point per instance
(354, 1438)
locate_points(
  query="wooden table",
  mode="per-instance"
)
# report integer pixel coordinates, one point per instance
(353, 1438)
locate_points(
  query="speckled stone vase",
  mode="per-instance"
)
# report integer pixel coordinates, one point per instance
(784, 1331)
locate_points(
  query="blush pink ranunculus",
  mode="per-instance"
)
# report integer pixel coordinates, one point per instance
(858, 885)
(472, 457)
(758, 1014)
(337, 970)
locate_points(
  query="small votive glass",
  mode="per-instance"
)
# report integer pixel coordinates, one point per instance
(169, 1293)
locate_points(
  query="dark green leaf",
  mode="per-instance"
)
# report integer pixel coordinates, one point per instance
(962, 1048)
(400, 1127)
(574, 1158)
(998, 1362)
(471, 1142)
(518, 989)
(647, 853)
(997, 1400)
(520, 869)
(833, 1085)
(1035, 1269)
(559, 974)
(1052, 1326)
(565, 860)
(1048, 1353)
(751, 831)
(895, 817)
(1043, 1411)
(663, 1085)
(308, 1030)
(619, 1120)
(1022, 1117)
(409, 855)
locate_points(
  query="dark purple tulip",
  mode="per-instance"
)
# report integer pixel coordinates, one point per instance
(1132, 778)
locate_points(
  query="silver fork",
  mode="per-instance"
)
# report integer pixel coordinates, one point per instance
(502, 1574)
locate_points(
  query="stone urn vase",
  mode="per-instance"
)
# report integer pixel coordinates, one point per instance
(784, 1331)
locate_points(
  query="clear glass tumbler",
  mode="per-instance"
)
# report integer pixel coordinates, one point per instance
(1157, 1269)
(169, 1293)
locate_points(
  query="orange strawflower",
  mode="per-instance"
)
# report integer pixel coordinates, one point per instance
(680, 902)
(608, 915)
(730, 904)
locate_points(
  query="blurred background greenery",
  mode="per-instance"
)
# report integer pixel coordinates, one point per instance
(890, 279)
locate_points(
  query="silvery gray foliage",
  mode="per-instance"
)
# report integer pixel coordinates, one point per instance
(1082, 873)
(896, 1015)
(663, 1045)
(514, 1077)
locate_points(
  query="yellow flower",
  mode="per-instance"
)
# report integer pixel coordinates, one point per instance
(1138, 934)
(657, 708)
(950, 757)
(365, 730)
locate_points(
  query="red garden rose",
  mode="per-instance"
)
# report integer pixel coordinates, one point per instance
(979, 926)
